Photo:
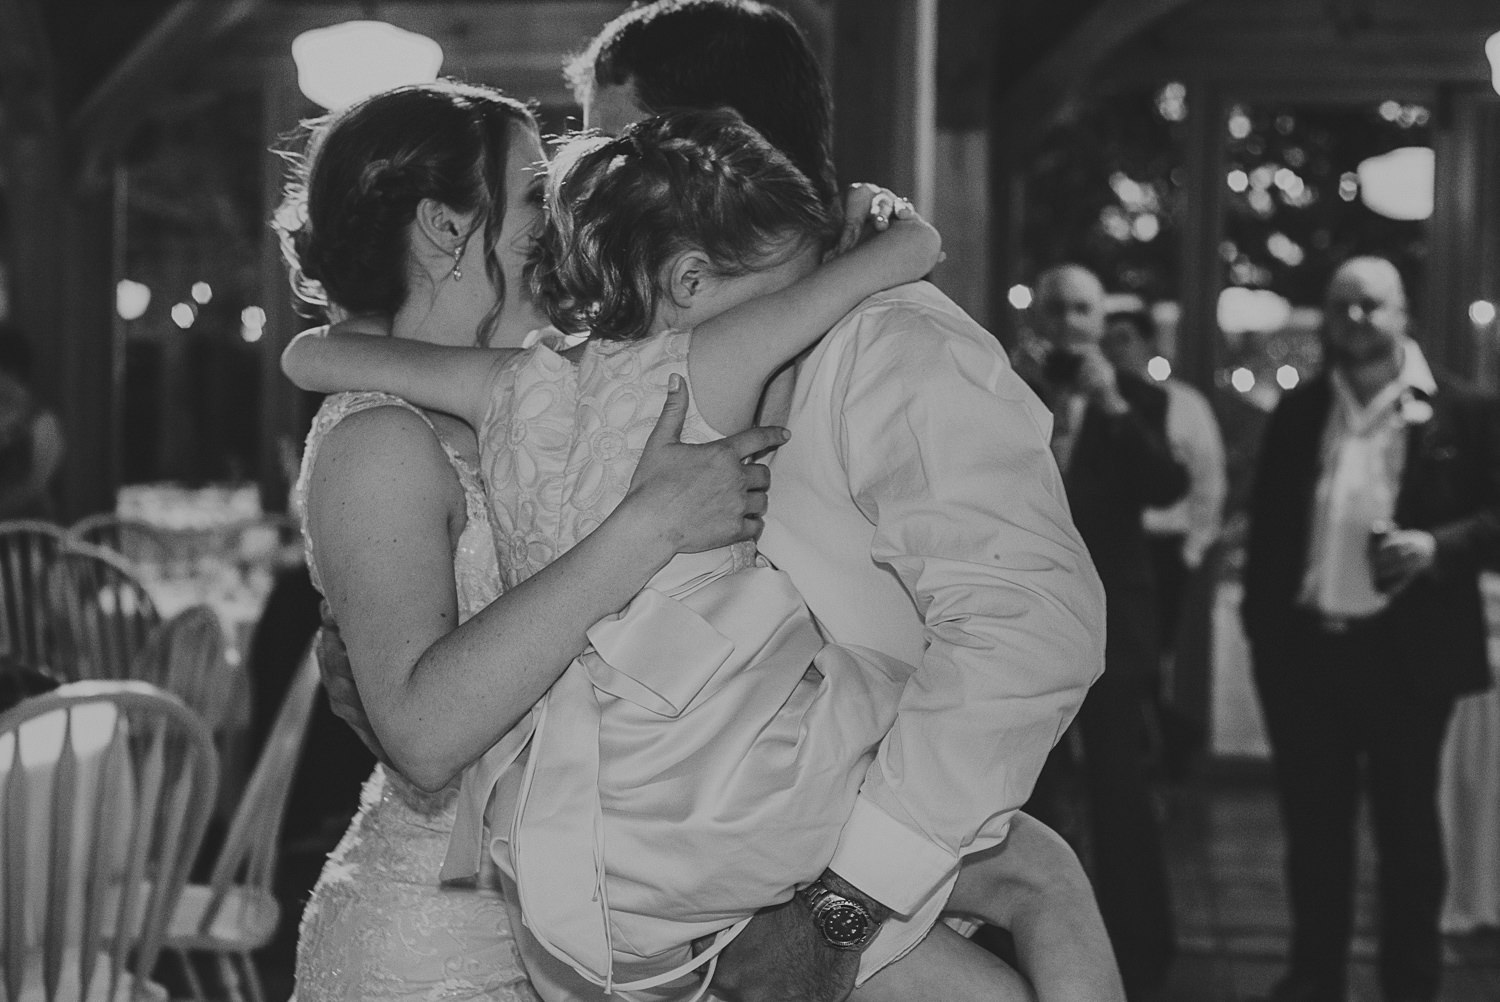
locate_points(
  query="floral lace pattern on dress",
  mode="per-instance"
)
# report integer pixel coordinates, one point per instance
(378, 925)
(561, 440)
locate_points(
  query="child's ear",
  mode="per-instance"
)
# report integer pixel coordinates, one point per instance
(687, 278)
(442, 226)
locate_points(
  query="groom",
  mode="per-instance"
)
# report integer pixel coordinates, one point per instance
(917, 508)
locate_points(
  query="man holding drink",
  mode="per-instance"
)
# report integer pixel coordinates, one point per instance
(1376, 502)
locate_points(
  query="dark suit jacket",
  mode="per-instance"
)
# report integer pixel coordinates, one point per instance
(1119, 466)
(1450, 487)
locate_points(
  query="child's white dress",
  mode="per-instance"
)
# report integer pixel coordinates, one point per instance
(700, 759)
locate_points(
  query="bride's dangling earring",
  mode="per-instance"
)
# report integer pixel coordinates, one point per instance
(458, 273)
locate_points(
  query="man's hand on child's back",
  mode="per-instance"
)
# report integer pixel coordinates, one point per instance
(338, 683)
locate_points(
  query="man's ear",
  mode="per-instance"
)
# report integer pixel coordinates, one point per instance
(442, 226)
(687, 278)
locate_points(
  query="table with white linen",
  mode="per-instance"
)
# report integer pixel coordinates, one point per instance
(1469, 796)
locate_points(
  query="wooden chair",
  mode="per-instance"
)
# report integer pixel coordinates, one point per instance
(104, 614)
(105, 792)
(185, 656)
(28, 553)
(138, 542)
(236, 913)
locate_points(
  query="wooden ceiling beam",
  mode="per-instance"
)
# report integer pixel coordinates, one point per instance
(1030, 101)
(173, 47)
(26, 68)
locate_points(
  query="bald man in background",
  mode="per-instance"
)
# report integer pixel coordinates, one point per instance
(1109, 439)
(1376, 502)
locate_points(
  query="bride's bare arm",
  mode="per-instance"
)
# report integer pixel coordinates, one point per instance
(382, 512)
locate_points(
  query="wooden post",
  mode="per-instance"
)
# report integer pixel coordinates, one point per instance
(284, 412)
(883, 93)
(1201, 271)
(1455, 278)
(961, 199)
(62, 221)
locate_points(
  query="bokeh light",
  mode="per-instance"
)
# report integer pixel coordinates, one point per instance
(131, 299)
(252, 324)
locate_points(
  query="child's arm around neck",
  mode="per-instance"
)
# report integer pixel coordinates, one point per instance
(732, 355)
(454, 380)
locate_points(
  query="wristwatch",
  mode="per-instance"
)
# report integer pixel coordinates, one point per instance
(845, 923)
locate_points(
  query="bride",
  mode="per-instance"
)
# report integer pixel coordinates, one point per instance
(415, 205)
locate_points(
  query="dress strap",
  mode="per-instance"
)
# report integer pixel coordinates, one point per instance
(335, 409)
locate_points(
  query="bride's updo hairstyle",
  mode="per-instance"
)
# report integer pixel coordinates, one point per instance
(353, 188)
(619, 211)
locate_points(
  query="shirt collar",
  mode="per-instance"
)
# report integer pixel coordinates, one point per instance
(1415, 375)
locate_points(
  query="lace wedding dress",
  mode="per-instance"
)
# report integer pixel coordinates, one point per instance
(378, 925)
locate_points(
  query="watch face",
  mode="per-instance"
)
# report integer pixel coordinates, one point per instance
(844, 924)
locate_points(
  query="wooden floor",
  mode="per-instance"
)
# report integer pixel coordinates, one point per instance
(1224, 848)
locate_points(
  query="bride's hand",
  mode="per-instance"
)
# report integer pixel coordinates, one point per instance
(859, 212)
(701, 496)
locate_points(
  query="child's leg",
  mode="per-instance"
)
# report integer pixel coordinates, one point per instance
(1033, 885)
(948, 967)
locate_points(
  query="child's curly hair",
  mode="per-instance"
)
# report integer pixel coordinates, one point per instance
(620, 209)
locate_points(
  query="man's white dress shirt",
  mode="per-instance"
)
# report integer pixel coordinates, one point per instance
(1193, 434)
(1363, 456)
(918, 509)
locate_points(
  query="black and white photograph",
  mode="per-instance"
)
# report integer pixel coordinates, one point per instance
(749, 500)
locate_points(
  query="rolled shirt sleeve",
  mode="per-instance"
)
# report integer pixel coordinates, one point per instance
(945, 452)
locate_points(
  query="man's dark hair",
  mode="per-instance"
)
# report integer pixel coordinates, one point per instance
(1139, 321)
(704, 54)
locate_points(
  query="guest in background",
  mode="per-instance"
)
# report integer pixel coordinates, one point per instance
(1109, 439)
(1376, 501)
(1178, 536)
(31, 437)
